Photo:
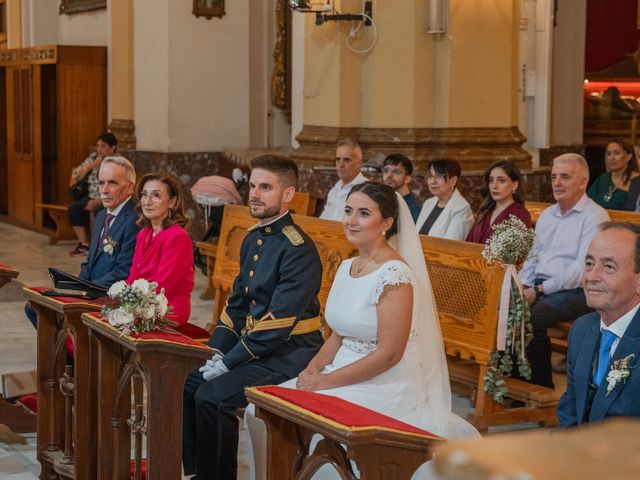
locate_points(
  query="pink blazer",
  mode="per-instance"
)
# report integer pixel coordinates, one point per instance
(166, 259)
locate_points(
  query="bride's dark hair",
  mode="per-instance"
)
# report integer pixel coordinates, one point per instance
(385, 197)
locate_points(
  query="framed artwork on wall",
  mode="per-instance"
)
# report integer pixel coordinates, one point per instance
(68, 7)
(208, 8)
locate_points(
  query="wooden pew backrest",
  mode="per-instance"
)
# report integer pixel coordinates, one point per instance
(467, 293)
(328, 237)
(536, 208)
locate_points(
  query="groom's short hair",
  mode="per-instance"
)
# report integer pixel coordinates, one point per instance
(635, 229)
(285, 168)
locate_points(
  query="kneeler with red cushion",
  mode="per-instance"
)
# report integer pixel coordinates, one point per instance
(381, 446)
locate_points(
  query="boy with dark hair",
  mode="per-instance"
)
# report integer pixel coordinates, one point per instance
(396, 172)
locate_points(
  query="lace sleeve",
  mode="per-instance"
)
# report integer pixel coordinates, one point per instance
(395, 273)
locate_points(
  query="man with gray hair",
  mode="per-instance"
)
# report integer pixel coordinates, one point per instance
(113, 237)
(553, 272)
(348, 163)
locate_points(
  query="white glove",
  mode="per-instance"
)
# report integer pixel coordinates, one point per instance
(217, 369)
(209, 363)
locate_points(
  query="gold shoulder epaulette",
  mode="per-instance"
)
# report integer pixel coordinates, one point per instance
(293, 235)
(252, 228)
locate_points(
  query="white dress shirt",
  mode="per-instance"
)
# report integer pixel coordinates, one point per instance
(619, 327)
(337, 198)
(561, 245)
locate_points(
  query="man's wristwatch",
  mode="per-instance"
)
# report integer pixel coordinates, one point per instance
(539, 293)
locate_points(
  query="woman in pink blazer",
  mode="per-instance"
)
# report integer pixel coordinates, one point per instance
(164, 252)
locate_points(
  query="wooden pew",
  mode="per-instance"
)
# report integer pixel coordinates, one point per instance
(7, 273)
(560, 331)
(58, 214)
(467, 293)
(536, 208)
(159, 363)
(66, 416)
(303, 203)
(13, 415)
(379, 449)
(604, 450)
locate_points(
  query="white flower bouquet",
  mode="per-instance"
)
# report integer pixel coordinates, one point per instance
(510, 245)
(136, 308)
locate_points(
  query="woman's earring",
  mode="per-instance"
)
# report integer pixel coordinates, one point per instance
(383, 232)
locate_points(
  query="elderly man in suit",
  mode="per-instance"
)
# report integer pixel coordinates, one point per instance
(604, 346)
(113, 238)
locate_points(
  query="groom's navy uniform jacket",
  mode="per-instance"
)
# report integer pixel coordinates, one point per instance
(584, 402)
(268, 333)
(273, 312)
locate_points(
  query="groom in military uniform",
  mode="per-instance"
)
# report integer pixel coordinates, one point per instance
(268, 331)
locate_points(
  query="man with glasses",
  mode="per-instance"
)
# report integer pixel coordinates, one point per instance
(348, 163)
(396, 172)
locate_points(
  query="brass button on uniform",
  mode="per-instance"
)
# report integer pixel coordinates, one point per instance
(253, 302)
(259, 241)
(267, 229)
(246, 289)
(251, 273)
(255, 258)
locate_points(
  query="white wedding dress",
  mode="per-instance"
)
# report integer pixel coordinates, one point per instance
(416, 390)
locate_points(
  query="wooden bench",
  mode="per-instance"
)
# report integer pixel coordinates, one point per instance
(467, 293)
(380, 446)
(13, 415)
(559, 332)
(303, 203)
(58, 213)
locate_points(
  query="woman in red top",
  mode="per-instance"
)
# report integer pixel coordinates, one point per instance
(503, 197)
(164, 252)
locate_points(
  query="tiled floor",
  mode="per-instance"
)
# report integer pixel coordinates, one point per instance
(31, 253)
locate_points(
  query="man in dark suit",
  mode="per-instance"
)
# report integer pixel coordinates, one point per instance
(268, 331)
(604, 346)
(113, 238)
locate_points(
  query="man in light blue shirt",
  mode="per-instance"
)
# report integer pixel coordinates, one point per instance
(553, 273)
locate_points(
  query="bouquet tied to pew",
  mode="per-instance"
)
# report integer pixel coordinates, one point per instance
(509, 245)
(136, 308)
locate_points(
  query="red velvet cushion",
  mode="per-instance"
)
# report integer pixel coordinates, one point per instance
(30, 401)
(7, 267)
(81, 300)
(193, 331)
(340, 411)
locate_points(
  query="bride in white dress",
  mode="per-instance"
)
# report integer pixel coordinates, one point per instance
(385, 351)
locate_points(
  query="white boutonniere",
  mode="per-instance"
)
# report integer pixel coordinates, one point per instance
(109, 245)
(619, 372)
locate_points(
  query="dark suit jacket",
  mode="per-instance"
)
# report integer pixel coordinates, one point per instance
(634, 192)
(624, 400)
(104, 268)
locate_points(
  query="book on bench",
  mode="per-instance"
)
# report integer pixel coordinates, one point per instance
(66, 281)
